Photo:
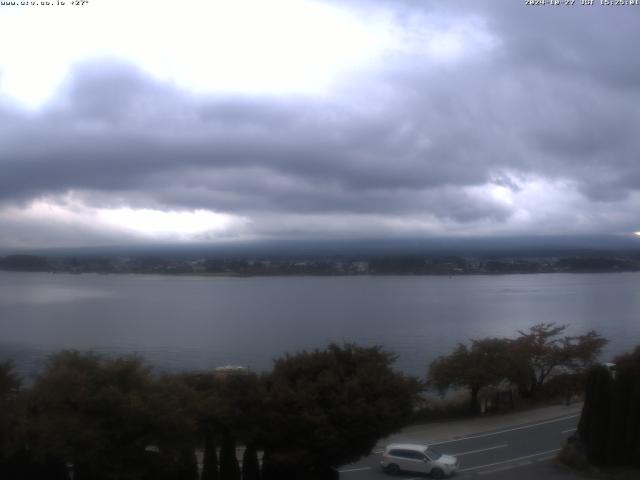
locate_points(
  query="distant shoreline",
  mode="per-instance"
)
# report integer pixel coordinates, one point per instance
(319, 266)
(302, 274)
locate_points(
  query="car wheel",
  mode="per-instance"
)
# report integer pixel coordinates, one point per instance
(392, 469)
(437, 473)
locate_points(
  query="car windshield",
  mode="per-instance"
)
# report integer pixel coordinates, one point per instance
(433, 454)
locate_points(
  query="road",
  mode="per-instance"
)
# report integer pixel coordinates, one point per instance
(489, 454)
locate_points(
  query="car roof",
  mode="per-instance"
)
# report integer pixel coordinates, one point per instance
(418, 447)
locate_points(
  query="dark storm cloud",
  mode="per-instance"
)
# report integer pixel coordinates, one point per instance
(553, 95)
(116, 130)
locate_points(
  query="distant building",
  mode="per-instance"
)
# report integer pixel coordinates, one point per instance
(229, 370)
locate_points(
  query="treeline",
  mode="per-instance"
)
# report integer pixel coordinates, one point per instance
(353, 265)
(542, 359)
(25, 263)
(106, 419)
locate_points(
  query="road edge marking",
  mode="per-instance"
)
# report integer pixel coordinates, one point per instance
(354, 469)
(479, 450)
(523, 427)
(517, 459)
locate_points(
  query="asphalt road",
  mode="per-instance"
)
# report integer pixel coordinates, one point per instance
(489, 454)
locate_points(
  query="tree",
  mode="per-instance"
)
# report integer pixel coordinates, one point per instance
(91, 412)
(484, 363)
(609, 427)
(625, 428)
(9, 381)
(250, 463)
(595, 418)
(230, 408)
(103, 415)
(542, 351)
(9, 387)
(229, 468)
(330, 407)
(207, 411)
(17, 460)
(174, 429)
(242, 417)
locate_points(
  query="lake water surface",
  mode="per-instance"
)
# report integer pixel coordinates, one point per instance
(180, 323)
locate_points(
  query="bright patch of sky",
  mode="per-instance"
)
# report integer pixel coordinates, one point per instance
(218, 46)
(280, 46)
(130, 224)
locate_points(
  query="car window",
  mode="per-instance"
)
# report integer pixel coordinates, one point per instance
(433, 454)
(412, 454)
(399, 453)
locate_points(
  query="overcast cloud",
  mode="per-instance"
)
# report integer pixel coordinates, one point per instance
(445, 118)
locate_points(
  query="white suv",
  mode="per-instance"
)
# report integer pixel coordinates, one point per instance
(410, 457)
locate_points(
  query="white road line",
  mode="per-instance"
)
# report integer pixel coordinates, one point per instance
(569, 430)
(354, 469)
(377, 451)
(479, 450)
(496, 470)
(482, 435)
(511, 460)
(545, 459)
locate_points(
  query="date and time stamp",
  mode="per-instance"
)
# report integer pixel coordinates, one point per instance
(527, 3)
(43, 3)
(582, 3)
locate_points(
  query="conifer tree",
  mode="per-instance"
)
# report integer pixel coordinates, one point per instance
(250, 464)
(210, 458)
(229, 468)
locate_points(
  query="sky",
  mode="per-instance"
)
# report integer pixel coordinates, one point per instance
(204, 121)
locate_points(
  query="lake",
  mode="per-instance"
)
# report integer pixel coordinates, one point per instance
(180, 323)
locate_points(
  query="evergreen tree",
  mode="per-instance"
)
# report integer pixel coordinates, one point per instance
(188, 464)
(609, 427)
(250, 464)
(9, 387)
(625, 430)
(229, 468)
(210, 458)
(593, 427)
